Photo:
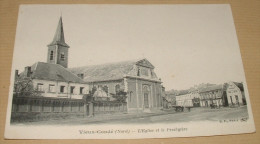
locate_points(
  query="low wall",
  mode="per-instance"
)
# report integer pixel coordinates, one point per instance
(47, 105)
(103, 107)
(26, 109)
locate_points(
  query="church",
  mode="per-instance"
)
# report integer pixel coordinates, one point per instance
(135, 77)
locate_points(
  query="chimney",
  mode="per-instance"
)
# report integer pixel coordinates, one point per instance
(81, 75)
(27, 71)
(16, 74)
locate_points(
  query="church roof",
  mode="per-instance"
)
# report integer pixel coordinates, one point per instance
(111, 71)
(58, 38)
(52, 72)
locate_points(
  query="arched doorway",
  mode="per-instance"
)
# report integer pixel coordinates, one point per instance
(146, 94)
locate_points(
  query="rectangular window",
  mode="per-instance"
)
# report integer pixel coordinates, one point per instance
(236, 97)
(81, 90)
(144, 71)
(62, 88)
(51, 88)
(231, 99)
(40, 87)
(72, 89)
(62, 56)
(51, 55)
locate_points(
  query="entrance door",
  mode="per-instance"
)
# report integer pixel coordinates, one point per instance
(146, 100)
(146, 94)
(237, 101)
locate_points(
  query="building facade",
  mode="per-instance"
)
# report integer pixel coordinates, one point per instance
(212, 95)
(188, 99)
(137, 78)
(195, 97)
(184, 100)
(235, 94)
(53, 81)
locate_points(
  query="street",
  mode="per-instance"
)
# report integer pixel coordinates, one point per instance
(166, 116)
(196, 114)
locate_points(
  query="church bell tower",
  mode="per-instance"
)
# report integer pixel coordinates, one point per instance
(58, 49)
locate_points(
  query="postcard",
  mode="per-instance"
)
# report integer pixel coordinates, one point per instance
(118, 71)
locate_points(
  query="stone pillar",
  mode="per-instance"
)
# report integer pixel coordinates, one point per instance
(85, 109)
(91, 109)
(137, 95)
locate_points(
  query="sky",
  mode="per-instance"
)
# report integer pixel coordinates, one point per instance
(187, 44)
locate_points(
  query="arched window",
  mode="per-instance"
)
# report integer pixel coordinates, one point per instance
(51, 55)
(146, 89)
(117, 88)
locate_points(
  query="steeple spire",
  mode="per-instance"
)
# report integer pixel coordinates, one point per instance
(58, 50)
(59, 35)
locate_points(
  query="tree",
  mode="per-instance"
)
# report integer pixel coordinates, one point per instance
(89, 97)
(120, 96)
(24, 87)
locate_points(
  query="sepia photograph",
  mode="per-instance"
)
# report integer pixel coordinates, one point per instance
(127, 72)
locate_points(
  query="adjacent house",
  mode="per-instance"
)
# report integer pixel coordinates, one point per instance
(235, 94)
(195, 97)
(188, 99)
(211, 95)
